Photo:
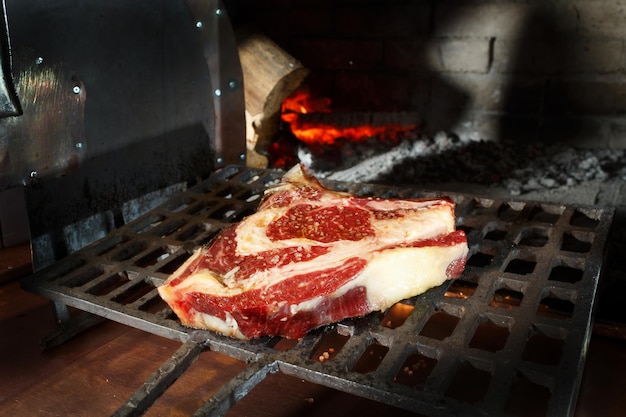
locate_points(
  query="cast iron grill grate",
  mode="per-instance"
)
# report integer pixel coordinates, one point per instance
(516, 323)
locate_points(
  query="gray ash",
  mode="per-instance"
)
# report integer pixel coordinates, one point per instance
(520, 168)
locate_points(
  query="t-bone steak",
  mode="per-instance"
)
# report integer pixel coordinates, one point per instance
(310, 256)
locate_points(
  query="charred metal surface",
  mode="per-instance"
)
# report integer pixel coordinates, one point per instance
(48, 139)
(221, 53)
(9, 102)
(516, 323)
(68, 328)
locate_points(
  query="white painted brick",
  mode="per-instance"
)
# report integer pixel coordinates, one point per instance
(472, 55)
(493, 93)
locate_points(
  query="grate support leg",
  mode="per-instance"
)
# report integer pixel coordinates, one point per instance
(69, 327)
(236, 389)
(161, 380)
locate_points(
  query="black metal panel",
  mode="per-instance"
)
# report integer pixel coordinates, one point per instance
(120, 111)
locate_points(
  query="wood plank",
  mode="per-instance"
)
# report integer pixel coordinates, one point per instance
(15, 262)
(97, 383)
(25, 319)
(197, 385)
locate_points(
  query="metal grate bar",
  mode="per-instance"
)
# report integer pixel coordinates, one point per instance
(518, 320)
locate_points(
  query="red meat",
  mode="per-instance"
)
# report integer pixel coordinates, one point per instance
(310, 256)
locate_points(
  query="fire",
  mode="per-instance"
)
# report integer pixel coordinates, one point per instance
(298, 108)
(302, 102)
(329, 134)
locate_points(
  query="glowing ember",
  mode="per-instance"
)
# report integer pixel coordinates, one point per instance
(306, 116)
(302, 102)
(329, 134)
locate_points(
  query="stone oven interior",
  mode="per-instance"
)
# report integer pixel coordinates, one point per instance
(540, 78)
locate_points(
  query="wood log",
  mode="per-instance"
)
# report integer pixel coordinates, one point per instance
(269, 74)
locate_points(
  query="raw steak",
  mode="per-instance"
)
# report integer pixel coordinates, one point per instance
(310, 256)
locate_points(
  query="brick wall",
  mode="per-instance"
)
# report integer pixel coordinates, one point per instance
(521, 70)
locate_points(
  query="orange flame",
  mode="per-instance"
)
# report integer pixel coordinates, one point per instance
(329, 134)
(302, 102)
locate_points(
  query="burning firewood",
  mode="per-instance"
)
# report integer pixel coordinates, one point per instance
(270, 74)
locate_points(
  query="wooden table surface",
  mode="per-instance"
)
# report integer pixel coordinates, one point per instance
(96, 372)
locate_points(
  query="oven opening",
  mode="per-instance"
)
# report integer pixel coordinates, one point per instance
(495, 96)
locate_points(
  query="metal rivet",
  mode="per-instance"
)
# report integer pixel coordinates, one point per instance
(217, 92)
(79, 145)
(39, 60)
(219, 160)
(242, 156)
(199, 24)
(233, 85)
(218, 12)
(33, 174)
(76, 89)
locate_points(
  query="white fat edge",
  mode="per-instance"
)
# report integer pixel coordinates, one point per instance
(399, 204)
(228, 327)
(307, 305)
(414, 226)
(203, 281)
(396, 274)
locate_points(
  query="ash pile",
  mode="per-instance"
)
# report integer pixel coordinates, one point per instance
(446, 158)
